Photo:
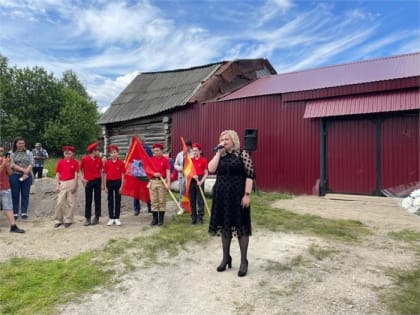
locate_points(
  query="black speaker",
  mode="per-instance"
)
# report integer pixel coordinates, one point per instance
(251, 139)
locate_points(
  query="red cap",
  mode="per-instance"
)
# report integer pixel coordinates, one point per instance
(92, 147)
(68, 148)
(113, 147)
(158, 145)
(196, 145)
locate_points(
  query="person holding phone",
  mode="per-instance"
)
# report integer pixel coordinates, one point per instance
(5, 191)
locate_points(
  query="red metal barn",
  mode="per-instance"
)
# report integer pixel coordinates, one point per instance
(351, 128)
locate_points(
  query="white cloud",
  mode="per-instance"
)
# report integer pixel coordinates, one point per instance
(271, 9)
(120, 23)
(321, 53)
(105, 90)
(107, 42)
(407, 41)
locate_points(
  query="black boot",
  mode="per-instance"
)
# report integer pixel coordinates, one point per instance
(155, 218)
(15, 229)
(161, 217)
(193, 219)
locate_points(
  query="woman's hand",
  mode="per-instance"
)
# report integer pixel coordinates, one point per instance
(245, 202)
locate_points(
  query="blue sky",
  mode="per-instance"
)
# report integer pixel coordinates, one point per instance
(106, 43)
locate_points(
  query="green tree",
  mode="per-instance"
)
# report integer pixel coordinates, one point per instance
(77, 118)
(70, 80)
(37, 106)
(5, 88)
(31, 97)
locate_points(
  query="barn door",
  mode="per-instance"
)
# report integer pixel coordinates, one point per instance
(399, 152)
(351, 156)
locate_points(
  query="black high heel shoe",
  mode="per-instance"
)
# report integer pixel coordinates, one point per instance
(222, 266)
(243, 269)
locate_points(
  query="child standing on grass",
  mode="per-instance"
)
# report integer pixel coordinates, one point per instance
(67, 171)
(112, 181)
(159, 184)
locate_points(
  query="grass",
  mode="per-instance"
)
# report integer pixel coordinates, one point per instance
(277, 267)
(319, 252)
(35, 286)
(282, 220)
(405, 235)
(244, 308)
(50, 166)
(404, 297)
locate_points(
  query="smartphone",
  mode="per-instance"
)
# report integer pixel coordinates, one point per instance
(7, 155)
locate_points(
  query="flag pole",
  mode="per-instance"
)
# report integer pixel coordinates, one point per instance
(204, 199)
(172, 194)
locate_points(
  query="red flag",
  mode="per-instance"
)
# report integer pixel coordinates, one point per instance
(139, 169)
(189, 171)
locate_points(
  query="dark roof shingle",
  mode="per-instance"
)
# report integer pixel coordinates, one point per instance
(154, 92)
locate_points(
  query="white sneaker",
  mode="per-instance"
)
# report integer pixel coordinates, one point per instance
(117, 222)
(180, 212)
(110, 222)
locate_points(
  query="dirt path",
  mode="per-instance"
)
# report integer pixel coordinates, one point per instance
(284, 278)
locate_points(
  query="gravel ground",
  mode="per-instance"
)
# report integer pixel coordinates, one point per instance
(283, 278)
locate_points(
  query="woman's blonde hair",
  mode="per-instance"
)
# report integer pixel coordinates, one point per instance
(234, 136)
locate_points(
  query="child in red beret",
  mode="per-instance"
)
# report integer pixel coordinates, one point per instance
(157, 187)
(91, 168)
(66, 175)
(112, 181)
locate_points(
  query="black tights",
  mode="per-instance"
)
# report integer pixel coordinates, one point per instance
(243, 246)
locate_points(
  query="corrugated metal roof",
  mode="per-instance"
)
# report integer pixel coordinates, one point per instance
(402, 66)
(154, 92)
(363, 104)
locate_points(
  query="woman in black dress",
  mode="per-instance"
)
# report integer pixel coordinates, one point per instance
(231, 211)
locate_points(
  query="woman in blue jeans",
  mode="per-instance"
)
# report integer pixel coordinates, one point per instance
(21, 178)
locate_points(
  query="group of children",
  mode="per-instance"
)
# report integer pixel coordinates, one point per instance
(108, 175)
(95, 176)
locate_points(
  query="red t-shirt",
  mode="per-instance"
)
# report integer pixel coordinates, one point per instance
(161, 164)
(91, 167)
(66, 169)
(200, 165)
(4, 178)
(114, 169)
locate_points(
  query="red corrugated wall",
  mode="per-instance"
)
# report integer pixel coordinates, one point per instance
(287, 158)
(351, 156)
(399, 151)
(363, 158)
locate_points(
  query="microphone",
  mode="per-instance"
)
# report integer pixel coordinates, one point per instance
(217, 147)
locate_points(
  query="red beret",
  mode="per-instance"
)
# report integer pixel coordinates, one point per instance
(92, 147)
(158, 145)
(68, 148)
(196, 145)
(113, 147)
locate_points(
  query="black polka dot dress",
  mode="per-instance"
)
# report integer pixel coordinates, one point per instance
(228, 217)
